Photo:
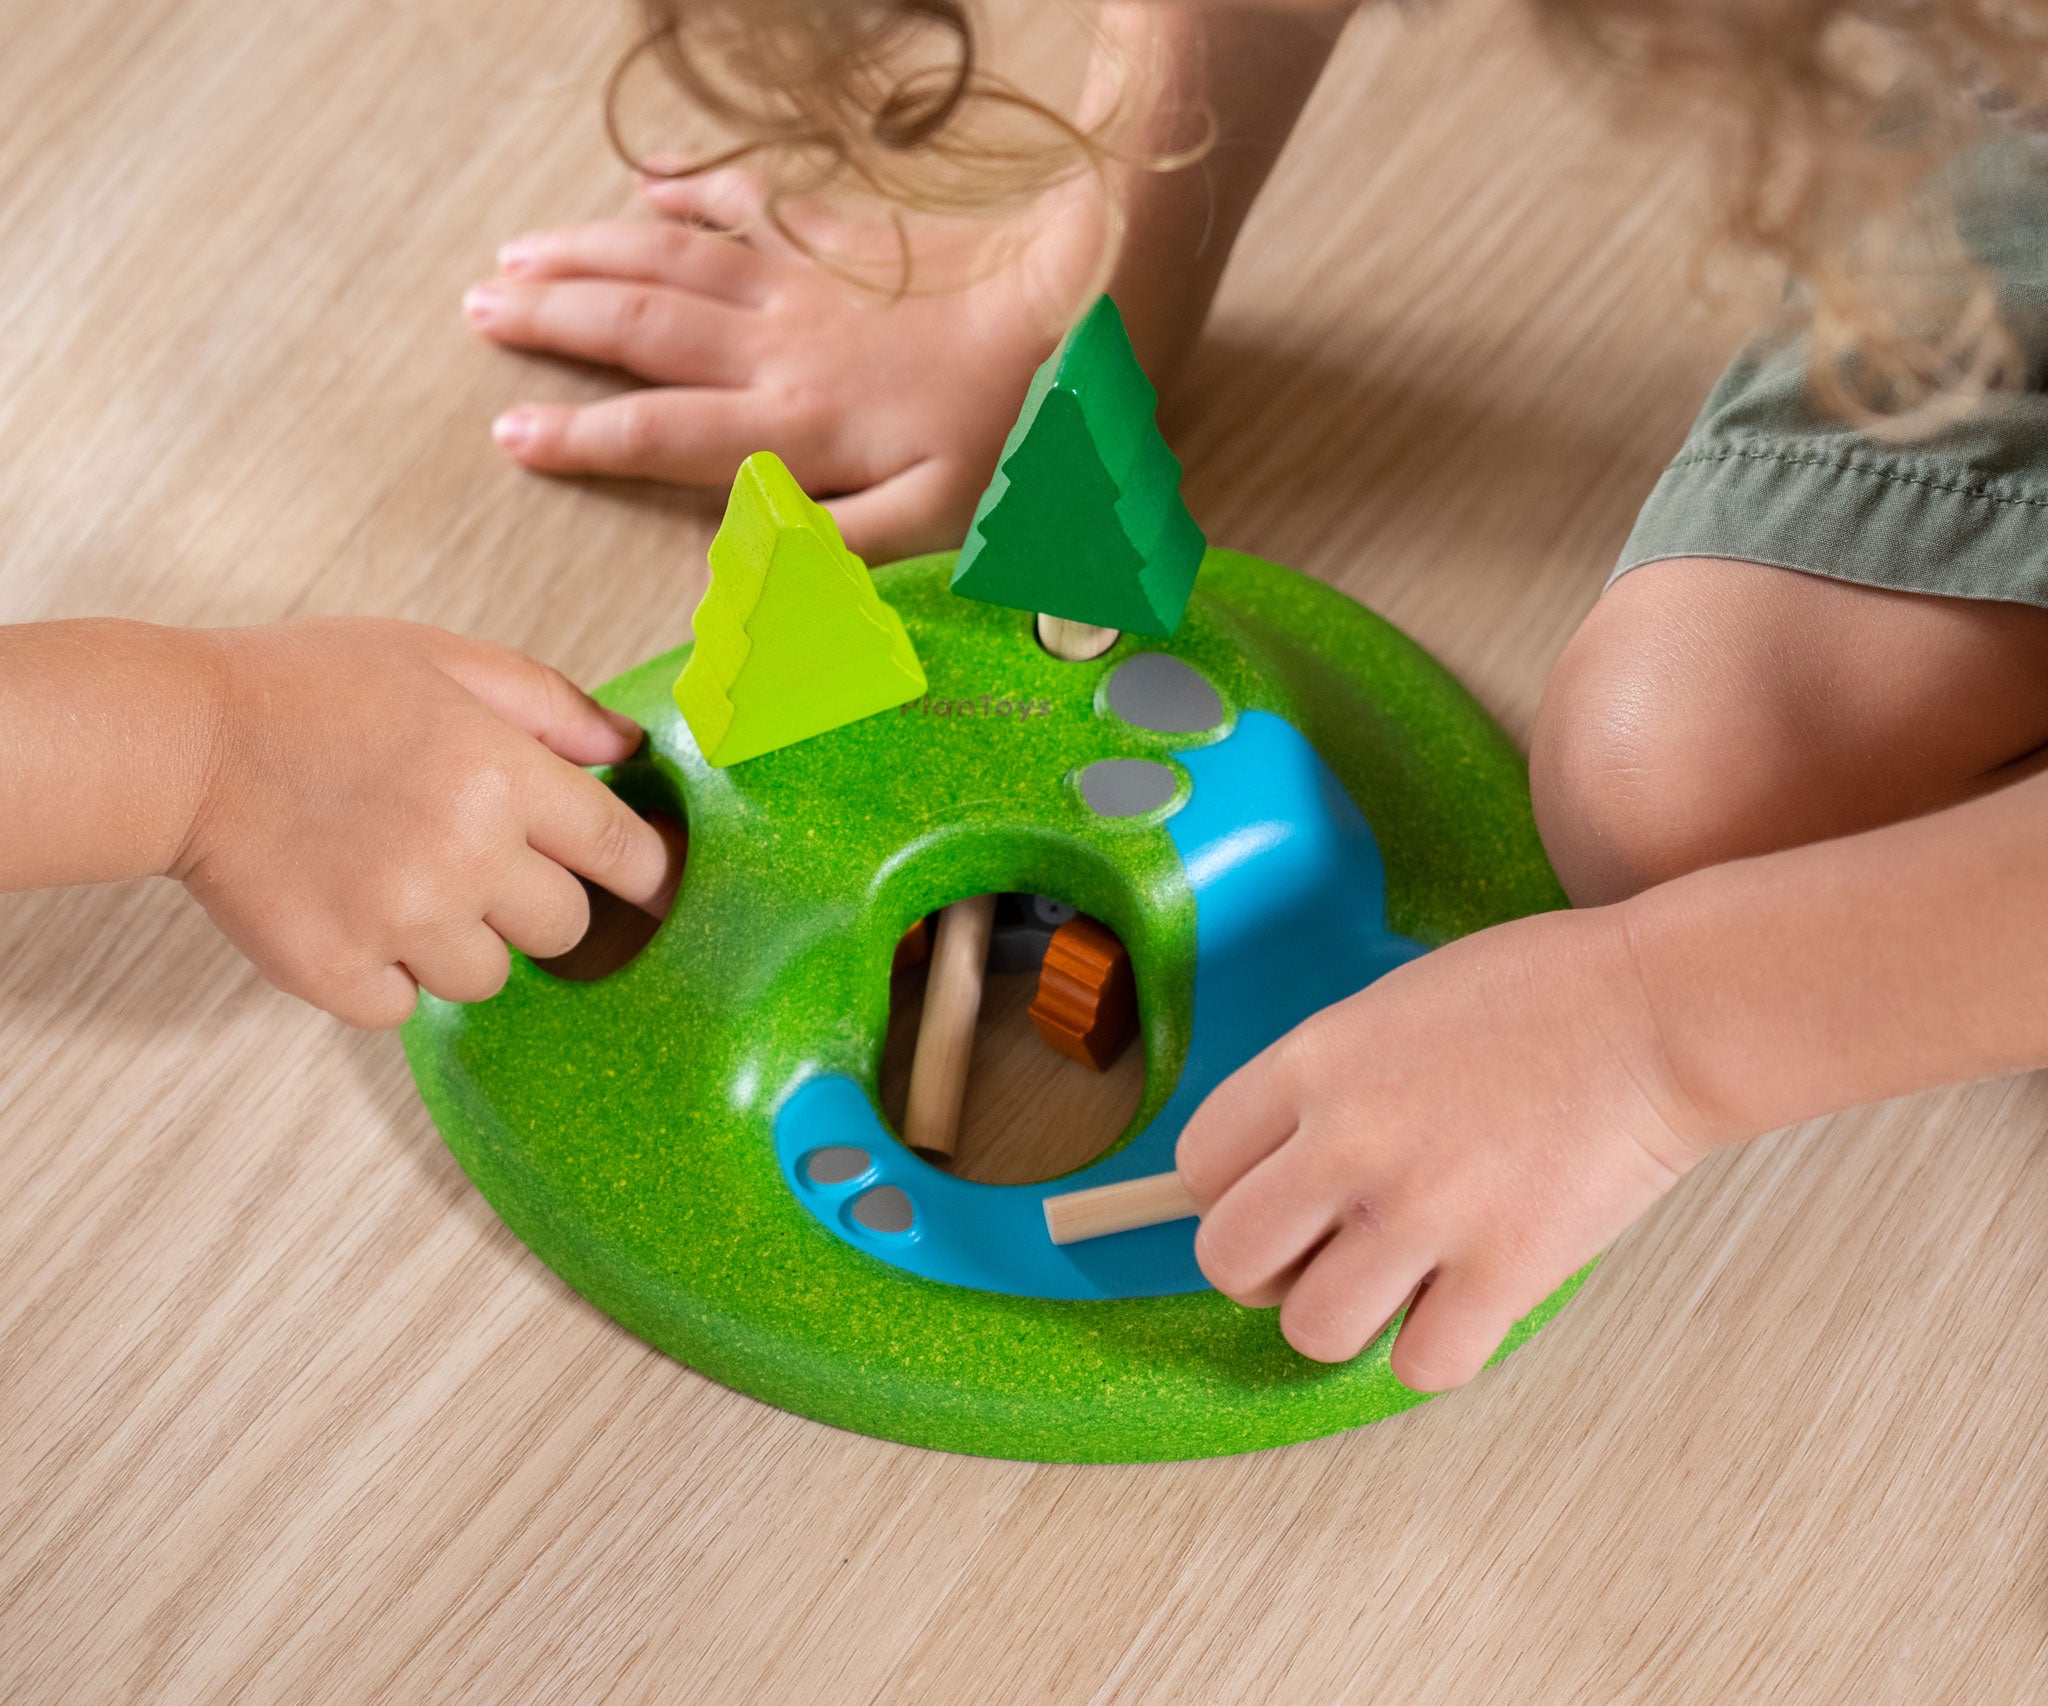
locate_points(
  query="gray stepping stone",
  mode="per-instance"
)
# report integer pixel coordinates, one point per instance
(1156, 691)
(836, 1165)
(886, 1208)
(1127, 787)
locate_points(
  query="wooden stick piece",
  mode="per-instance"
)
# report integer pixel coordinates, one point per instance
(945, 1032)
(1096, 1213)
(1076, 642)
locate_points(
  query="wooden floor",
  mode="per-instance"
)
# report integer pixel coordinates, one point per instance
(285, 1413)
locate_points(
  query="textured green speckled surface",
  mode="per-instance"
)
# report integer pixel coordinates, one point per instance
(622, 1127)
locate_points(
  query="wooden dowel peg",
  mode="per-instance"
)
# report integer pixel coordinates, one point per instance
(945, 1032)
(1151, 1201)
(1076, 642)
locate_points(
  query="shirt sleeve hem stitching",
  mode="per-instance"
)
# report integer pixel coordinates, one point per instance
(1889, 475)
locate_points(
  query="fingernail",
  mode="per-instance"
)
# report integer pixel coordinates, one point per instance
(518, 255)
(624, 726)
(481, 303)
(514, 431)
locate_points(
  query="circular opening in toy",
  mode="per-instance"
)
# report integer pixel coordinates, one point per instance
(837, 1164)
(1057, 1067)
(886, 1208)
(620, 930)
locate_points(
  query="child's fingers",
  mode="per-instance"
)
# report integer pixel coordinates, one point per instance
(1453, 1329)
(381, 1000)
(707, 263)
(542, 910)
(466, 964)
(734, 201)
(1356, 1284)
(648, 329)
(691, 438)
(729, 199)
(1272, 1292)
(1264, 1224)
(1240, 1122)
(575, 820)
(905, 514)
(675, 845)
(539, 699)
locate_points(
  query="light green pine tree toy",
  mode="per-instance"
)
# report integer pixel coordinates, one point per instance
(1084, 519)
(792, 638)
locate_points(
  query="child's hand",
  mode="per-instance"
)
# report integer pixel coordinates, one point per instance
(1479, 1124)
(896, 406)
(388, 806)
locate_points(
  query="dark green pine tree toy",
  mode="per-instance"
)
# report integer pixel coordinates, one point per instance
(1083, 521)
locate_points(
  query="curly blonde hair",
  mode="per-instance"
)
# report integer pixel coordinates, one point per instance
(1837, 125)
(1833, 121)
(884, 100)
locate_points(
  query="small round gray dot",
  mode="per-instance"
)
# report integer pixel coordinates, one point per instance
(884, 1209)
(836, 1165)
(1159, 692)
(1127, 787)
(1049, 912)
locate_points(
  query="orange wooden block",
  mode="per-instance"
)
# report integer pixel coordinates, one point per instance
(1087, 1004)
(914, 948)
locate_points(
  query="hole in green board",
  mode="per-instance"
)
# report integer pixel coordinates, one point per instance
(1030, 1113)
(619, 930)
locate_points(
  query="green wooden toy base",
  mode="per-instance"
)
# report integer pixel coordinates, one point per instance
(622, 1127)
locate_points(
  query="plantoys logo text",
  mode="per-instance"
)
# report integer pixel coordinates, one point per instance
(988, 705)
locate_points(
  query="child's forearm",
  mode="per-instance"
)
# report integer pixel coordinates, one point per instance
(106, 733)
(1247, 74)
(1821, 977)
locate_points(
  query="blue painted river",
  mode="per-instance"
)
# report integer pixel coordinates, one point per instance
(1290, 916)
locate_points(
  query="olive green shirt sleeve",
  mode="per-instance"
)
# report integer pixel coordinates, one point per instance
(1767, 477)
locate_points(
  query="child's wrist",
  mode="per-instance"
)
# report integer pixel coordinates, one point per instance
(202, 663)
(1698, 1098)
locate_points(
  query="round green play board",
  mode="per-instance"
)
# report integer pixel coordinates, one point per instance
(625, 1128)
